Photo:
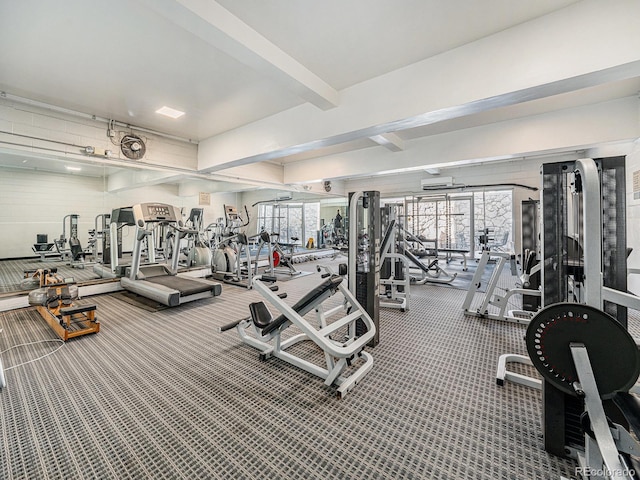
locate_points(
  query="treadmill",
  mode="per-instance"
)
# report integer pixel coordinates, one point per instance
(111, 267)
(160, 282)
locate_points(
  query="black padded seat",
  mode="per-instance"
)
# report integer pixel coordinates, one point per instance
(454, 250)
(260, 314)
(77, 309)
(307, 303)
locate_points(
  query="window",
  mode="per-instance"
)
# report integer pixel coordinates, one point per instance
(494, 218)
(468, 221)
(290, 221)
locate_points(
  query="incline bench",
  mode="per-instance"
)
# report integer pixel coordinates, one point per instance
(263, 332)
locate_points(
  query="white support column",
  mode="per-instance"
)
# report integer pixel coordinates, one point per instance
(592, 227)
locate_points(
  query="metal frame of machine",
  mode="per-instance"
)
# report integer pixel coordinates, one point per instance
(588, 280)
(264, 332)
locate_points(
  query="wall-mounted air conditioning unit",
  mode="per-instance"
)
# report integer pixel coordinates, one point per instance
(435, 183)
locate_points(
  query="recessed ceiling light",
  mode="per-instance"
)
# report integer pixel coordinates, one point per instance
(170, 112)
(73, 169)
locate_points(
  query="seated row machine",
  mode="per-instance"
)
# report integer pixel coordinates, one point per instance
(586, 353)
(264, 332)
(54, 302)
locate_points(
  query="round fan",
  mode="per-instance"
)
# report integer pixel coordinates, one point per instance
(132, 147)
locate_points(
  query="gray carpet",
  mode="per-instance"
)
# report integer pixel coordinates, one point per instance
(163, 395)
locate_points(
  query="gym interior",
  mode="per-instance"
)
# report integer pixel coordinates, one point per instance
(367, 239)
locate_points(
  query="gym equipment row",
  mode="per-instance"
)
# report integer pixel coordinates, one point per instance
(340, 343)
(73, 253)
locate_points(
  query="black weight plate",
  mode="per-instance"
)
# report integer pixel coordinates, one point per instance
(612, 351)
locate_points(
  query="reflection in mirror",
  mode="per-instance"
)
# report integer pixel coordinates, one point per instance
(48, 211)
(56, 212)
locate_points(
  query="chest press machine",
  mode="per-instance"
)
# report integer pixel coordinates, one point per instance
(264, 332)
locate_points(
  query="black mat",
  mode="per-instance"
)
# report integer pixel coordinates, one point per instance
(140, 301)
(463, 278)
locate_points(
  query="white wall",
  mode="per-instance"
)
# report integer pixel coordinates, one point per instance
(34, 202)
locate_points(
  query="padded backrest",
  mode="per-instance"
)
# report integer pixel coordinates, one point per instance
(309, 301)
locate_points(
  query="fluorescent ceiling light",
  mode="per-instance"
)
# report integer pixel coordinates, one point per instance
(170, 112)
(73, 169)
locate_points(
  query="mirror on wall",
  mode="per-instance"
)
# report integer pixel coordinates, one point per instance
(45, 202)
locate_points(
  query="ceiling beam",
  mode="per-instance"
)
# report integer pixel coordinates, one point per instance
(212, 23)
(390, 141)
(565, 130)
(190, 187)
(527, 62)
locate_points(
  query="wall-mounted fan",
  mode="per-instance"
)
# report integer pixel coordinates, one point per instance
(132, 147)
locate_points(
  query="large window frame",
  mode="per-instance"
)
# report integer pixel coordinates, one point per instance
(300, 220)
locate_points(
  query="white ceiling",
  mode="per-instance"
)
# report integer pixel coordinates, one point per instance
(123, 59)
(120, 59)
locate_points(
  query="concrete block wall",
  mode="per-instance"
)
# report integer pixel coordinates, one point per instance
(33, 202)
(22, 121)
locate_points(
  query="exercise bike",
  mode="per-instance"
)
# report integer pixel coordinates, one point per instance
(279, 261)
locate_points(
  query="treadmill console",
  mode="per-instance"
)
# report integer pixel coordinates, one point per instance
(156, 212)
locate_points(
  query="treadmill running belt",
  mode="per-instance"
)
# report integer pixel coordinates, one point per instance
(185, 286)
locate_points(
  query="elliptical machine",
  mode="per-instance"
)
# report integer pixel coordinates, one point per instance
(231, 258)
(197, 250)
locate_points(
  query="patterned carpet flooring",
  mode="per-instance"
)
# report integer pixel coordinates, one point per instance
(164, 395)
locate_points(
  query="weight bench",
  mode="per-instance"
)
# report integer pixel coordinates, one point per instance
(431, 272)
(449, 255)
(264, 332)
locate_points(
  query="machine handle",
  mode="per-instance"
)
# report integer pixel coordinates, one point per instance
(268, 278)
(233, 324)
